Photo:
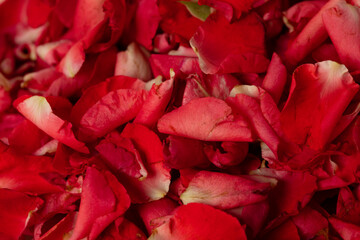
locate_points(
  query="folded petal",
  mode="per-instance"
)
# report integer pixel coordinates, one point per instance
(38, 110)
(318, 97)
(155, 104)
(147, 18)
(310, 37)
(133, 63)
(155, 209)
(156, 185)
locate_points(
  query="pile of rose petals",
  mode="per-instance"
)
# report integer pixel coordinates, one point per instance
(184, 120)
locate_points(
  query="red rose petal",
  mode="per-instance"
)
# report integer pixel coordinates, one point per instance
(318, 97)
(38, 110)
(207, 119)
(110, 199)
(199, 221)
(224, 191)
(155, 104)
(341, 21)
(23, 173)
(156, 185)
(15, 210)
(243, 52)
(105, 106)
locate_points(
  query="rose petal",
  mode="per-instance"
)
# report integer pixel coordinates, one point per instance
(224, 191)
(107, 105)
(347, 231)
(207, 119)
(318, 97)
(155, 104)
(199, 221)
(110, 199)
(15, 210)
(156, 185)
(341, 22)
(240, 53)
(38, 110)
(133, 63)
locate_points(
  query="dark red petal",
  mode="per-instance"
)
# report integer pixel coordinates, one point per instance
(155, 209)
(309, 222)
(15, 210)
(293, 190)
(176, 19)
(243, 52)
(121, 155)
(184, 153)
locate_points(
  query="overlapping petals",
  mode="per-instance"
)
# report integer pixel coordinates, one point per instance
(166, 119)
